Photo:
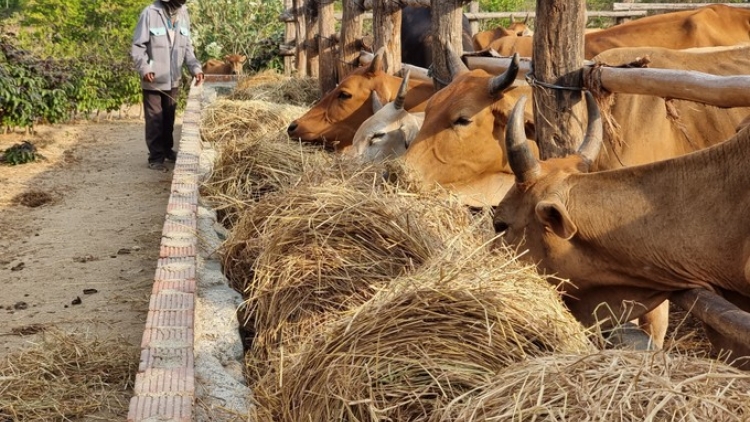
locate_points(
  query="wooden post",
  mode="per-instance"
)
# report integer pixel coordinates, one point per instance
(289, 36)
(300, 35)
(557, 59)
(474, 8)
(351, 33)
(447, 16)
(328, 69)
(386, 25)
(311, 37)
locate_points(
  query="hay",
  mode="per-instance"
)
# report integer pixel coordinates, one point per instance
(612, 385)
(248, 169)
(274, 87)
(423, 342)
(66, 376)
(308, 253)
(225, 121)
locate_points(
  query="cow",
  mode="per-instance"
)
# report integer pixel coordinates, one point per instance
(482, 40)
(333, 121)
(461, 144)
(387, 133)
(708, 26)
(416, 38)
(628, 238)
(231, 65)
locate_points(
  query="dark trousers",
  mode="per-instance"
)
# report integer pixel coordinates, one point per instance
(159, 108)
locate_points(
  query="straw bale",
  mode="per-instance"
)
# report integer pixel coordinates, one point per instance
(272, 86)
(612, 385)
(66, 376)
(225, 120)
(252, 167)
(424, 341)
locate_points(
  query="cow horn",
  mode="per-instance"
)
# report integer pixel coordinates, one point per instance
(502, 81)
(592, 142)
(523, 163)
(456, 66)
(375, 102)
(398, 104)
(377, 61)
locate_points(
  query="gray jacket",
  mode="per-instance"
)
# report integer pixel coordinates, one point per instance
(152, 51)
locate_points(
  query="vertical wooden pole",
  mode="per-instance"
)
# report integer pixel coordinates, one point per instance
(328, 68)
(557, 58)
(289, 36)
(447, 17)
(300, 34)
(311, 37)
(351, 33)
(474, 8)
(386, 25)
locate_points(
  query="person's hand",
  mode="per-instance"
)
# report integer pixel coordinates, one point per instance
(149, 77)
(198, 79)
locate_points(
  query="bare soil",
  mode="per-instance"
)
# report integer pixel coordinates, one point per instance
(79, 232)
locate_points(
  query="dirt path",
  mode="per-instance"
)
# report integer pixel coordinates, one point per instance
(100, 231)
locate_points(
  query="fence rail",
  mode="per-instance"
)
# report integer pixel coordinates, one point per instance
(668, 7)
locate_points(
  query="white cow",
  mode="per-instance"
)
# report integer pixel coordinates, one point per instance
(388, 132)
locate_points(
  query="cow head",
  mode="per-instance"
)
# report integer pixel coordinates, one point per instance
(388, 132)
(461, 143)
(334, 119)
(533, 213)
(235, 61)
(520, 28)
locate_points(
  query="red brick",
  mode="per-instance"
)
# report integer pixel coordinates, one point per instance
(175, 269)
(166, 357)
(176, 337)
(170, 318)
(171, 300)
(177, 408)
(185, 286)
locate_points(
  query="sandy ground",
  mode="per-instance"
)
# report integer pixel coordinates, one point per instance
(85, 261)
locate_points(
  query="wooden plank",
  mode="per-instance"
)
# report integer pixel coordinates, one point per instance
(478, 16)
(669, 7)
(719, 91)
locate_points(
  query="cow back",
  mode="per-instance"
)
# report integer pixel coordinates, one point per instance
(647, 128)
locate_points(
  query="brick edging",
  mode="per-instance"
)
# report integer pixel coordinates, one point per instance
(165, 383)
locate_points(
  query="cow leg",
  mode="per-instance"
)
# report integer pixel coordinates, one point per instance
(655, 323)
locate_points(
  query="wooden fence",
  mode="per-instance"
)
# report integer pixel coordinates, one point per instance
(312, 47)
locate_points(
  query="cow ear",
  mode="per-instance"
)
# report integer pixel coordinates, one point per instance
(554, 215)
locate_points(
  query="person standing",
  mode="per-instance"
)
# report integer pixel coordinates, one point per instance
(161, 46)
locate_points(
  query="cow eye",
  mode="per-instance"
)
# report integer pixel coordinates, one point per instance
(344, 95)
(462, 121)
(376, 137)
(500, 226)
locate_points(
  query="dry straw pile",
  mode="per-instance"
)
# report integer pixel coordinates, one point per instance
(66, 376)
(249, 168)
(314, 251)
(272, 86)
(612, 385)
(424, 341)
(225, 121)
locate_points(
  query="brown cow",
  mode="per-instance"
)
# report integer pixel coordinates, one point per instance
(708, 26)
(461, 148)
(628, 238)
(334, 119)
(232, 65)
(482, 40)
